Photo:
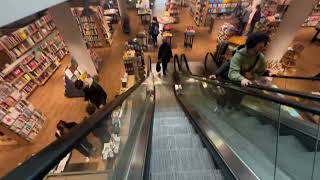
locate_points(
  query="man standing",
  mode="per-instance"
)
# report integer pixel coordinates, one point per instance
(256, 18)
(164, 55)
(93, 92)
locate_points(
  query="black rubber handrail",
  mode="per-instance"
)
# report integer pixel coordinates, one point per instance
(184, 58)
(273, 90)
(282, 101)
(39, 165)
(296, 77)
(176, 62)
(149, 68)
(274, 76)
(209, 54)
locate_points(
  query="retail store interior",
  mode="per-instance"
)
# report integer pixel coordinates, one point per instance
(45, 49)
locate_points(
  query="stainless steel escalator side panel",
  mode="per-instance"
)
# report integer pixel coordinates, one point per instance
(237, 167)
(138, 161)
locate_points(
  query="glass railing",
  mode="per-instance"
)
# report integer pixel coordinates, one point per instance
(301, 85)
(109, 144)
(275, 137)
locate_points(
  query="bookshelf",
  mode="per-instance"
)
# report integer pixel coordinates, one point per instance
(197, 11)
(22, 40)
(104, 25)
(89, 27)
(19, 120)
(38, 61)
(313, 18)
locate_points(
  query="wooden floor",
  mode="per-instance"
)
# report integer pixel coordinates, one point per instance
(50, 99)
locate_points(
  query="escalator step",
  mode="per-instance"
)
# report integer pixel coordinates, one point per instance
(171, 130)
(174, 142)
(189, 175)
(181, 160)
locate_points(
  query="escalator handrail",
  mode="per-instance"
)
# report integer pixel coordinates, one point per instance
(149, 69)
(184, 58)
(274, 76)
(206, 60)
(176, 62)
(275, 90)
(247, 91)
(296, 77)
(41, 163)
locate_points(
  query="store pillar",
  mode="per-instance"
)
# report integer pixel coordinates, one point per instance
(291, 23)
(67, 25)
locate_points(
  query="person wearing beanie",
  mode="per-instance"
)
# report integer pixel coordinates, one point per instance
(248, 63)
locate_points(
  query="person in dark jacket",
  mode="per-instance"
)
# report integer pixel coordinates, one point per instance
(164, 55)
(256, 18)
(101, 130)
(94, 93)
(154, 31)
(84, 147)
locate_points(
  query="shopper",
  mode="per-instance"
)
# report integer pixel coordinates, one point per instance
(244, 19)
(84, 147)
(154, 31)
(164, 55)
(248, 63)
(92, 92)
(101, 130)
(256, 18)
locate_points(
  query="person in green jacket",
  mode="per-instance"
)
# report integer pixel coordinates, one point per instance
(248, 64)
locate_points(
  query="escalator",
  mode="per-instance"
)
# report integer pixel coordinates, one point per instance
(177, 129)
(177, 151)
(253, 133)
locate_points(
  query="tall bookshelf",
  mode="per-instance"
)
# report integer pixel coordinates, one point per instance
(201, 10)
(89, 27)
(106, 28)
(314, 17)
(32, 54)
(197, 10)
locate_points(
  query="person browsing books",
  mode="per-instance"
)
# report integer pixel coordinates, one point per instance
(92, 92)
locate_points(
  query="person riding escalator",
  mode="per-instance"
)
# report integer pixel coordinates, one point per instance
(247, 65)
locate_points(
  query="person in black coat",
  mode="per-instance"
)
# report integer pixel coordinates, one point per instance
(84, 147)
(164, 55)
(94, 93)
(154, 31)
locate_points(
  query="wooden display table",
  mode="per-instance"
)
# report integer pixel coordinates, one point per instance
(145, 15)
(237, 40)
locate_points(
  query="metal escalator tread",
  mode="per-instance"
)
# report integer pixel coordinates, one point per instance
(189, 175)
(177, 152)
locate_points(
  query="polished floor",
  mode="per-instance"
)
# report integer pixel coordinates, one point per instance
(50, 99)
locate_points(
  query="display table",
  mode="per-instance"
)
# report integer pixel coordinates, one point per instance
(188, 37)
(168, 36)
(166, 19)
(113, 13)
(145, 15)
(237, 40)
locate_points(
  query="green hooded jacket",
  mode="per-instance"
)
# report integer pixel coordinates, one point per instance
(242, 61)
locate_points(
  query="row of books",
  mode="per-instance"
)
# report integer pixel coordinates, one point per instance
(23, 39)
(30, 42)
